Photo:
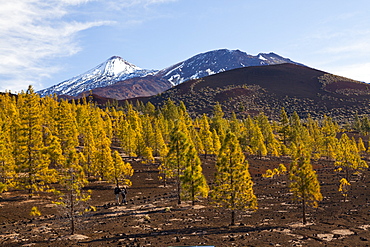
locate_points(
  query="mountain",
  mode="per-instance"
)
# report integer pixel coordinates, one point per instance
(251, 90)
(119, 79)
(111, 71)
(217, 61)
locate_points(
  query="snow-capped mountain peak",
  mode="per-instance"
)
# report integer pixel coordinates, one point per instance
(107, 73)
(115, 66)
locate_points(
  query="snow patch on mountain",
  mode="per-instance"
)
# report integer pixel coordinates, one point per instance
(262, 58)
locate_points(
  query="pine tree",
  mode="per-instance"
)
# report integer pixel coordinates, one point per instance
(121, 171)
(233, 187)
(176, 158)
(72, 196)
(193, 182)
(205, 136)
(361, 146)
(258, 142)
(216, 142)
(271, 143)
(32, 162)
(53, 149)
(329, 131)
(247, 136)
(147, 156)
(67, 131)
(285, 127)
(103, 155)
(160, 148)
(304, 183)
(89, 151)
(218, 122)
(348, 157)
(147, 131)
(316, 137)
(127, 136)
(7, 162)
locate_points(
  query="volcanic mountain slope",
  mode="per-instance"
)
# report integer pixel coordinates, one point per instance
(131, 88)
(269, 88)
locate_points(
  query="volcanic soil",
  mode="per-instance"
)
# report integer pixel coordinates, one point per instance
(152, 216)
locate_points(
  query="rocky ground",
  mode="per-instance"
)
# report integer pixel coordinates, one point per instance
(152, 216)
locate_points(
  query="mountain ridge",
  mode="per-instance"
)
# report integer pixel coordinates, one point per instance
(127, 80)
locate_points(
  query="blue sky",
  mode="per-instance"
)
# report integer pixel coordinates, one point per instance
(43, 42)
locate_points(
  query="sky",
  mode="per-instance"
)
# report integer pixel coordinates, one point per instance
(44, 42)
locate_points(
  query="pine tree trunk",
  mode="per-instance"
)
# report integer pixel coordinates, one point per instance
(178, 174)
(304, 211)
(192, 193)
(178, 192)
(233, 217)
(72, 215)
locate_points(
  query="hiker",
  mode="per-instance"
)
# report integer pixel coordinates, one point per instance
(117, 191)
(123, 193)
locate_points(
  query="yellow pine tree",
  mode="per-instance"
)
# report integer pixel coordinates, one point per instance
(147, 156)
(193, 182)
(205, 136)
(128, 138)
(53, 149)
(83, 119)
(216, 142)
(164, 125)
(245, 139)
(175, 162)
(67, 127)
(316, 139)
(107, 123)
(115, 119)
(72, 196)
(233, 185)
(32, 162)
(160, 147)
(103, 154)
(89, 151)
(147, 131)
(361, 146)
(271, 143)
(329, 130)
(344, 188)
(218, 122)
(50, 113)
(121, 171)
(348, 157)
(257, 142)
(7, 162)
(284, 126)
(304, 183)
